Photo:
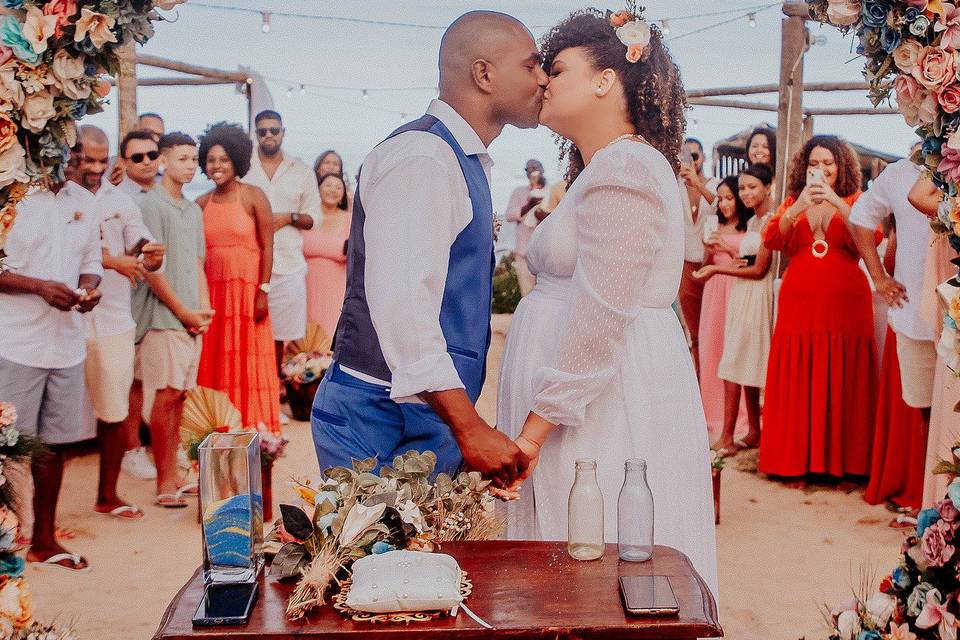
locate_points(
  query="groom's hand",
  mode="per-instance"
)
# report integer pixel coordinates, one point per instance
(484, 449)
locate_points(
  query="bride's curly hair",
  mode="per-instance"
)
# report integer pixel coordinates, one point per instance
(656, 100)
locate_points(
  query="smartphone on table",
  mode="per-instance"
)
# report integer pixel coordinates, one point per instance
(225, 604)
(648, 596)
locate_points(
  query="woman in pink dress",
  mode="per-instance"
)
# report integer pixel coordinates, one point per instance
(325, 250)
(722, 249)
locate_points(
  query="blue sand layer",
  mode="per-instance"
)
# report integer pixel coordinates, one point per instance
(226, 528)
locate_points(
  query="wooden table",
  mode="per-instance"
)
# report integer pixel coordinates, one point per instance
(523, 589)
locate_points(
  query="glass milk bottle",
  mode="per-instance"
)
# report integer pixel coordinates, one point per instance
(585, 513)
(635, 514)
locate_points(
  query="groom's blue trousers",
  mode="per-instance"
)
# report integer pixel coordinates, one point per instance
(353, 420)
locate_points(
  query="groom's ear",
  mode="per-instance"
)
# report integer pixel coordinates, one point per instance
(482, 72)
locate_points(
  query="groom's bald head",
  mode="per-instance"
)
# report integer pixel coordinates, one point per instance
(491, 56)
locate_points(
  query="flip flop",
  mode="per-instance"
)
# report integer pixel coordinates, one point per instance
(191, 489)
(740, 444)
(170, 501)
(135, 511)
(54, 562)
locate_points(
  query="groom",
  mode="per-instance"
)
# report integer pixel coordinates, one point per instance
(411, 345)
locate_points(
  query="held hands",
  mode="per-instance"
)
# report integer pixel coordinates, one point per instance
(197, 321)
(493, 454)
(260, 308)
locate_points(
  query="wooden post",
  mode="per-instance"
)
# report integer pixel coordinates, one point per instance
(807, 127)
(127, 88)
(793, 44)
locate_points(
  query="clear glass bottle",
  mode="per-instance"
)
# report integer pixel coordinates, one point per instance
(635, 514)
(585, 513)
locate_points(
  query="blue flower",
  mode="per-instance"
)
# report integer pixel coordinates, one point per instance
(11, 565)
(954, 492)
(79, 109)
(900, 578)
(931, 145)
(912, 13)
(869, 635)
(919, 26)
(889, 39)
(11, 34)
(381, 547)
(926, 518)
(875, 13)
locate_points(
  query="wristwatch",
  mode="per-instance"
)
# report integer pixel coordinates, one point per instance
(265, 287)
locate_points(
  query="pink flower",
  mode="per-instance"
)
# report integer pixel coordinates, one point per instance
(929, 107)
(905, 56)
(950, 167)
(63, 10)
(935, 68)
(948, 511)
(909, 96)
(935, 614)
(949, 98)
(98, 26)
(936, 549)
(950, 26)
(919, 4)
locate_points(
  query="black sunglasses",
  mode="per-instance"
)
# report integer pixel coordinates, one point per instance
(137, 158)
(695, 155)
(263, 131)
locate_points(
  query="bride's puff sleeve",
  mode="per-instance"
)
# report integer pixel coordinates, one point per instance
(620, 226)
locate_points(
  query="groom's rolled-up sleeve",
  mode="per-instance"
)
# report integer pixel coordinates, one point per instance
(413, 215)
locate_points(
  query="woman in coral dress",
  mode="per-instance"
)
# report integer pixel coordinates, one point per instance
(238, 355)
(822, 375)
(325, 250)
(722, 250)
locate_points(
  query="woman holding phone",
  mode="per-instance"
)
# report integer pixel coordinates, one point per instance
(822, 373)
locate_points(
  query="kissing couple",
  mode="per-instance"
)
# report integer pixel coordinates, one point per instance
(596, 364)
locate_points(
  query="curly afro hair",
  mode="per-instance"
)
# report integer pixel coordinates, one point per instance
(848, 166)
(234, 141)
(655, 97)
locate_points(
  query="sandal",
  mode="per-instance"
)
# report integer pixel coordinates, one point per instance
(56, 561)
(170, 501)
(191, 489)
(136, 513)
(743, 446)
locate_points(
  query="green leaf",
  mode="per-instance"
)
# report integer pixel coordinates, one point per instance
(296, 522)
(290, 561)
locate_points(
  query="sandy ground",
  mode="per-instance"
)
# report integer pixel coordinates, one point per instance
(782, 552)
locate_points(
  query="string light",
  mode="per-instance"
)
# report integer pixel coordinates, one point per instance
(365, 95)
(289, 92)
(265, 21)
(752, 20)
(303, 90)
(665, 27)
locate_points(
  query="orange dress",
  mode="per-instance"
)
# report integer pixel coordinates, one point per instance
(238, 354)
(822, 375)
(326, 273)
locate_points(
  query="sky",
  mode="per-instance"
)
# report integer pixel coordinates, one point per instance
(398, 67)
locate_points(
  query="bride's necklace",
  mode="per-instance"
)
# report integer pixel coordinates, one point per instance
(625, 136)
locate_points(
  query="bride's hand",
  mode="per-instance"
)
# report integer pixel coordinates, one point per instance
(530, 449)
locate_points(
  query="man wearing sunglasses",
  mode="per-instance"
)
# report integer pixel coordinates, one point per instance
(698, 195)
(291, 187)
(140, 158)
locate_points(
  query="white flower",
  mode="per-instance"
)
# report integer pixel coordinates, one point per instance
(358, 520)
(411, 514)
(10, 600)
(636, 32)
(37, 110)
(69, 72)
(6, 627)
(11, 91)
(843, 13)
(848, 625)
(880, 608)
(13, 165)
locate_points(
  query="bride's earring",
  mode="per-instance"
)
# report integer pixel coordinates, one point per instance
(599, 91)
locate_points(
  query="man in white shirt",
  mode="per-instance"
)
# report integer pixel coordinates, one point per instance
(52, 270)
(412, 340)
(698, 194)
(903, 291)
(291, 187)
(141, 160)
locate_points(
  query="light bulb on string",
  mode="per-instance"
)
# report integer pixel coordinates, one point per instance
(365, 95)
(289, 91)
(303, 90)
(265, 21)
(665, 27)
(752, 20)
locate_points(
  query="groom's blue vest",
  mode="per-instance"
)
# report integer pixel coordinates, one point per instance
(467, 295)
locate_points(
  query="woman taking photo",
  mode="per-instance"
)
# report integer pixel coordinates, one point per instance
(324, 247)
(822, 377)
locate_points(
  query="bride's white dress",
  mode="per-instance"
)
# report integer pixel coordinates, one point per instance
(597, 349)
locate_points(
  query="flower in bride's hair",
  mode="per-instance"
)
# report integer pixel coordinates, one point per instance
(620, 18)
(635, 36)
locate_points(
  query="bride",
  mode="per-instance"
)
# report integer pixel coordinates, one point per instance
(596, 364)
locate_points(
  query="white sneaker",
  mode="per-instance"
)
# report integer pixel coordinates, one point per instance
(137, 463)
(183, 461)
(284, 418)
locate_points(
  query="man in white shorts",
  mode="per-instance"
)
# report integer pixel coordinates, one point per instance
(52, 270)
(128, 253)
(291, 187)
(903, 290)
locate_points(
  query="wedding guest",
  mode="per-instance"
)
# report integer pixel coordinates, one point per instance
(762, 147)
(173, 311)
(141, 161)
(129, 252)
(52, 271)
(291, 187)
(238, 353)
(697, 194)
(722, 250)
(749, 316)
(150, 122)
(520, 211)
(821, 379)
(325, 249)
(328, 162)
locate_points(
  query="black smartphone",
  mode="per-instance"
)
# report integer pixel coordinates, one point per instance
(648, 596)
(226, 604)
(751, 260)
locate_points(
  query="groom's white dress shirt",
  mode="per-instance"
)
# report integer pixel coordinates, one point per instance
(416, 203)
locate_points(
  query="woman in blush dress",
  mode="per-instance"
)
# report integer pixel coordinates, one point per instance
(596, 363)
(325, 250)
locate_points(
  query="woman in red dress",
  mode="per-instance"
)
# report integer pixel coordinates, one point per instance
(822, 374)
